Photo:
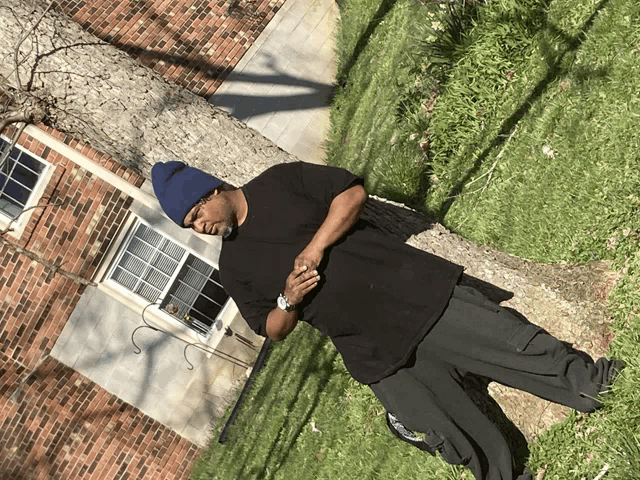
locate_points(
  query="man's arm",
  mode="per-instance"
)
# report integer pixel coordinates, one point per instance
(299, 282)
(343, 212)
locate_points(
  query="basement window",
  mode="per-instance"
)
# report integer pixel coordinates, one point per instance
(158, 270)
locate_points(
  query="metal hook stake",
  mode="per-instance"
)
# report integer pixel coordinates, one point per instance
(213, 351)
(146, 325)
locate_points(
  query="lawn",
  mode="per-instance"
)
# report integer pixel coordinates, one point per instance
(306, 418)
(515, 123)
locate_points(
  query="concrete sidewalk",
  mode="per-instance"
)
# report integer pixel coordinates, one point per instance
(282, 85)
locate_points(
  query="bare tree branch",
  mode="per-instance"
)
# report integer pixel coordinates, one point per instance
(7, 152)
(41, 56)
(21, 41)
(49, 204)
(15, 17)
(52, 267)
(4, 86)
(5, 122)
(26, 107)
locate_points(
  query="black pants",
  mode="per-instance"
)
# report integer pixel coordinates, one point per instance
(476, 335)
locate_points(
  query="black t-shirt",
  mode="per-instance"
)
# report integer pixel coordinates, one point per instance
(377, 298)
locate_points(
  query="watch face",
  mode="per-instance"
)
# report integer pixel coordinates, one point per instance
(282, 303)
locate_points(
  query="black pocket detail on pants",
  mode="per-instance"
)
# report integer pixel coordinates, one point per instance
(446, 449)
(523, 336)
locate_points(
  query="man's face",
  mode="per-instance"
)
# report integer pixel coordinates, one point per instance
(212, 217)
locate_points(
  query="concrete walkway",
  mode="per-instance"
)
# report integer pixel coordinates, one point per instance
(194, 43)
(282, 85)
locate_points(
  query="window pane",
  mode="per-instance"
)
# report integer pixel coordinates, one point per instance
(140, 249)
(212, 312)
(18, 178)
(185, 293)
(202, 267)
(215, 293)
(9, 207)
(15, 153)
(132, 264)
(156, 278)
(172, 250)
(124, 278)
(144, 267)
(26, 177)
(194, 279)
(148, 292)
(16, 193)
(194, 298)
(149, 235)
(30, 164)
(164, 264)
(215, 276)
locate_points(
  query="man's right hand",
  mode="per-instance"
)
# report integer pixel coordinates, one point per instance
(300, 282)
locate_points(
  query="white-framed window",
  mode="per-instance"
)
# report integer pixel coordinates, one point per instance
(159, 270)
(22, 175)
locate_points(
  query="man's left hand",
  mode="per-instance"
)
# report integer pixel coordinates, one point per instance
(310, 257)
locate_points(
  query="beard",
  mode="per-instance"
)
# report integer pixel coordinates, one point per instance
(228, 230)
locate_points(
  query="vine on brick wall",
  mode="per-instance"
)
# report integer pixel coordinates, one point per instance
(52, 267)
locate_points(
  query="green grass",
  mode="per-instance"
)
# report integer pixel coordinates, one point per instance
(553, 91)
(517, 126)
(567, 179)
(371, 99)
(305, 383)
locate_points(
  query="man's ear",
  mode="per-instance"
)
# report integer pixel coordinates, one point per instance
(223, 187)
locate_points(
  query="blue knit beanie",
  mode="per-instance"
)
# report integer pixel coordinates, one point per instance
(178, 187)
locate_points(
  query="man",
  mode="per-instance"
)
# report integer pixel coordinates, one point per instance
(294, 249)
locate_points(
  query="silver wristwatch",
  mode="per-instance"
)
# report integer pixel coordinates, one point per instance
(284, 304)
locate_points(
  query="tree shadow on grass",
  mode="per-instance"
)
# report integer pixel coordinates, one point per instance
(344, 69)
(318, 366)
(557, 68)
(325, 371)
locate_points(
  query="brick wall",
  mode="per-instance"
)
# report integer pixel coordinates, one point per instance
(195, 43)
(75, 235)
(55, 423)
